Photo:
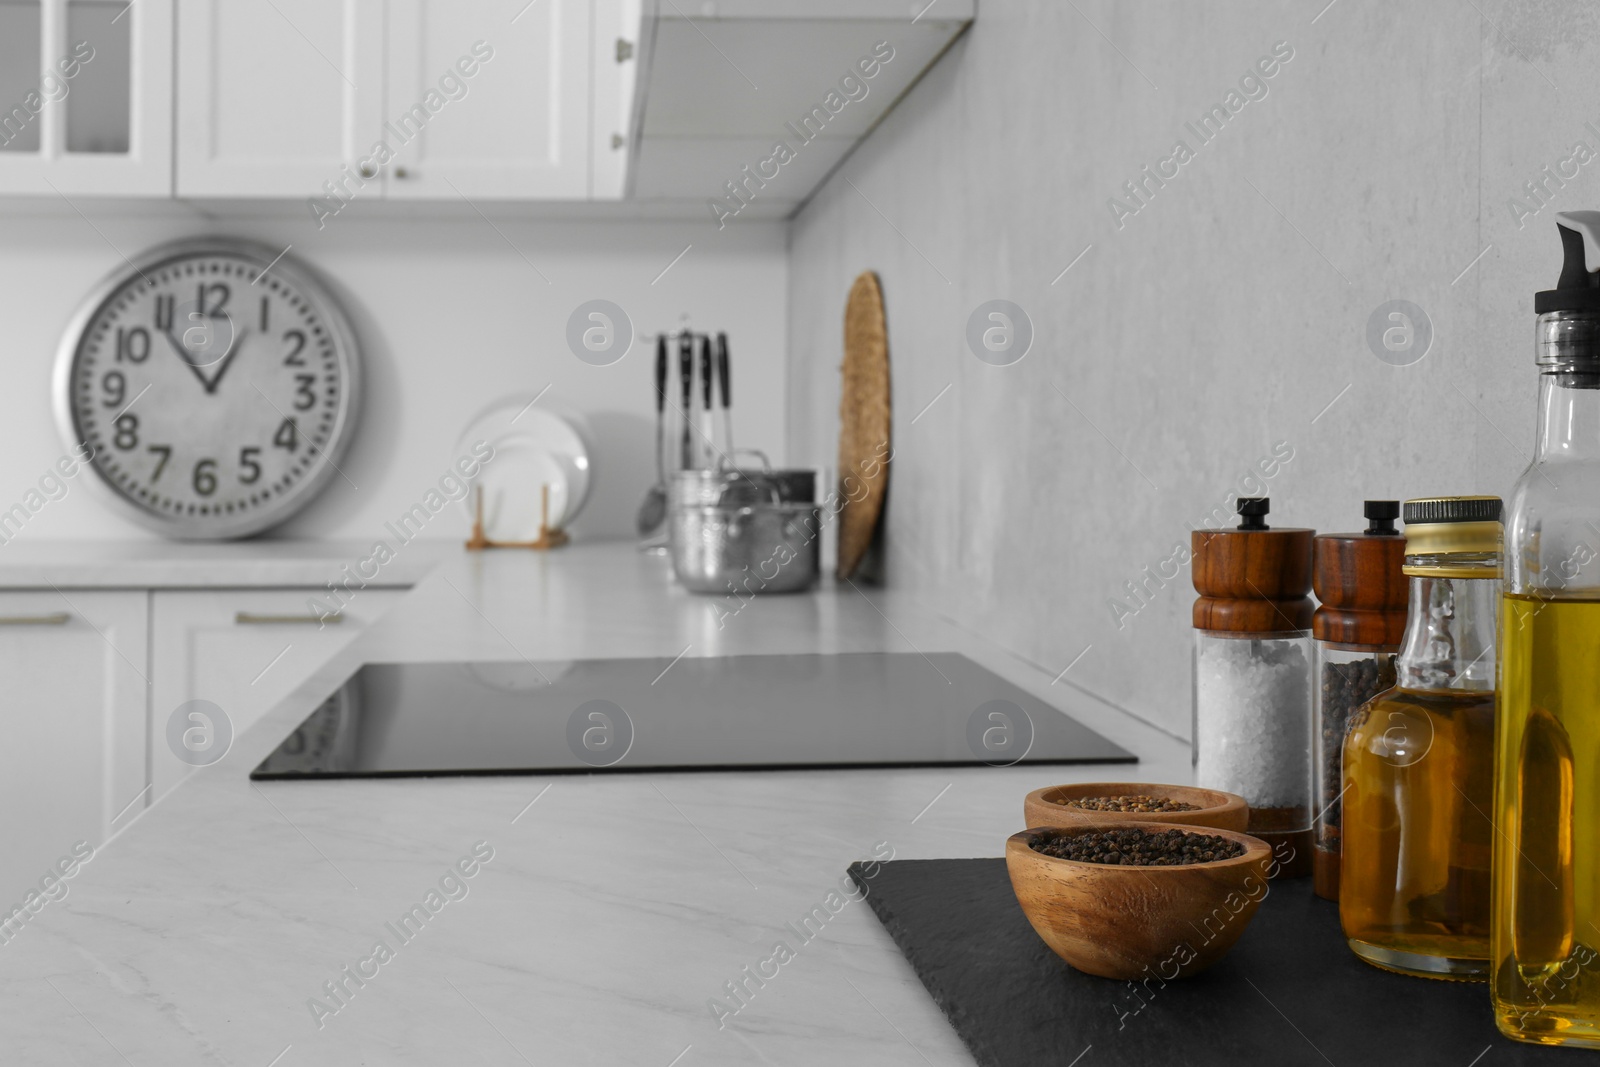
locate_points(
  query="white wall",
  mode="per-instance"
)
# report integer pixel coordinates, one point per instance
(1220, 320)
(451, 317)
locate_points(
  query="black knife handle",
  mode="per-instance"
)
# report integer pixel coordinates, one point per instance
(686, 368)
(661, 373)
(705, 370)
(722, 370)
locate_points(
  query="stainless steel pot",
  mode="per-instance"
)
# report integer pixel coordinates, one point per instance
(747, 486)
(743, 485)
(728, 547)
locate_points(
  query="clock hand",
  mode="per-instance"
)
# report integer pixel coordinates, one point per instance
(183, 355)
(222, 368)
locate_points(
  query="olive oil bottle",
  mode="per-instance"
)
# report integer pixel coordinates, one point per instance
(1545, 931)
(1419, 759)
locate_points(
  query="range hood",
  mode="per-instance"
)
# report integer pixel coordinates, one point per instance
(721, 85)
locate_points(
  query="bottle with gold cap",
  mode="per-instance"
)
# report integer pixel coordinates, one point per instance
(1419, 759)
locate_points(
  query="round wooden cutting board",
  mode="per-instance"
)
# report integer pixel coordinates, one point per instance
(864, 408)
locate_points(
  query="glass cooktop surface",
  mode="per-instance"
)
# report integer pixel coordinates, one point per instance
(869, 709)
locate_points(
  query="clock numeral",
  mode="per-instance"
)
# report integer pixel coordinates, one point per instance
(114, 383)
(305, 394)
(165, 451)
(205, 480)
(165, 306)
(288, 435)
(264, 302)
(220, 292)
(133, 344)
(298, 340)
(127, 435)
(247, 462)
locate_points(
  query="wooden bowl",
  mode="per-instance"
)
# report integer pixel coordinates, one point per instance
(1137, 922)
(1213, 808)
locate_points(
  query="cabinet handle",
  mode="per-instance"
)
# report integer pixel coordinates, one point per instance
(250, 618)
(369, 171)
(617, 141)
(624, 50)
(57, 619)
(401, 173)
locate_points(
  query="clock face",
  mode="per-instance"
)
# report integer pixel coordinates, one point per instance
(215, 384)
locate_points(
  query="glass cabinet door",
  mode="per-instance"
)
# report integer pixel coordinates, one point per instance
(86, 97)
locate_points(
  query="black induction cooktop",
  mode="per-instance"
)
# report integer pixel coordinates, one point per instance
(868, 709)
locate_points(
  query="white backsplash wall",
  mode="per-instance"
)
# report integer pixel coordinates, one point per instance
(452, 317)
(1214, 340)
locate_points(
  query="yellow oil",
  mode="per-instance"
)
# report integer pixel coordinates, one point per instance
(1419, 783)
(1545, 941)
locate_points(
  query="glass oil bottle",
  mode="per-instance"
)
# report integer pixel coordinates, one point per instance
(1546, 926)
(1419, 759)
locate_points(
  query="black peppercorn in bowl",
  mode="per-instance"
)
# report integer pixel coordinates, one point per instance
(1097, 803)
(1141, 899)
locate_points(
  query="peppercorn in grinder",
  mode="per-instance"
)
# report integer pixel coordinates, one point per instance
(1363, 592)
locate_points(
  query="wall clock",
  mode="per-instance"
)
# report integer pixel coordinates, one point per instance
(217, 384)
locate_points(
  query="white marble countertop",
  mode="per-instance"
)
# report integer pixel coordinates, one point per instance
(191, 565)
(614, 907)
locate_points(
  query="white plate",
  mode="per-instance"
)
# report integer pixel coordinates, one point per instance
(533, 447)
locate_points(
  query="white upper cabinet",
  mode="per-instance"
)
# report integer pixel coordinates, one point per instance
(86, 97)
(719, 105)
(617, 49)
(277, 97)
(489, 99)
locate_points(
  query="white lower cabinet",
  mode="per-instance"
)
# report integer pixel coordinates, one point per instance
(90, 680)
(243, 650)
(74, 764)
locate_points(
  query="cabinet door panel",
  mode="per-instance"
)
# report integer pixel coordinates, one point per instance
(74, 764)
(276, 97)
(88, 104)
(243, 650)
(517, 127)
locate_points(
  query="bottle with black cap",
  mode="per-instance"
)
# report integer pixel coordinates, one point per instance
(1357, 627)
(1419, 759)
(1252, 676)
(1545, 941)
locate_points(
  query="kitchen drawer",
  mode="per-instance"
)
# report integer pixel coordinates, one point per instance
(243, 650)
(75, 704)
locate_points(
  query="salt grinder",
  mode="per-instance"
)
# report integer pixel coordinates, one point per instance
(1252, 676)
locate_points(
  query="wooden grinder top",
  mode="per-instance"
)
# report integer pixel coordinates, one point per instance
(1255, 579)
(1358, 579)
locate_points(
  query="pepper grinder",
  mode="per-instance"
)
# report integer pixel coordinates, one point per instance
(1252, 676)
(1358, 627)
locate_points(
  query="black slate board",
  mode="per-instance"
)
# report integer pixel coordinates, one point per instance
(1289, 993)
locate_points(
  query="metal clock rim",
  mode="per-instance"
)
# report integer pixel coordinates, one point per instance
(303, 278)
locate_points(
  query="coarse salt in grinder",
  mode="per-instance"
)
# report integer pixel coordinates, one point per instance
(1357, 627)
(1252, 676)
